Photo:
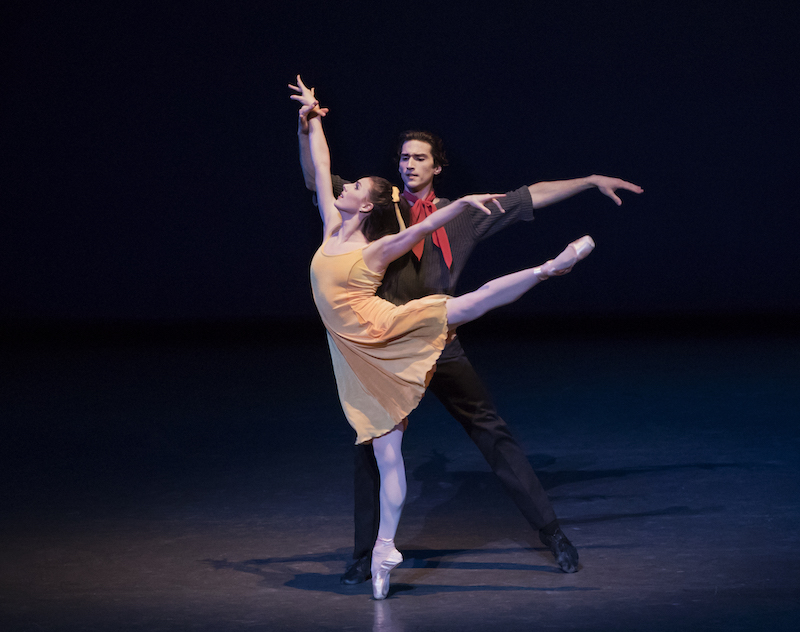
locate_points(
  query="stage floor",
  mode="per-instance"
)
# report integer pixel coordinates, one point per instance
(206, 485)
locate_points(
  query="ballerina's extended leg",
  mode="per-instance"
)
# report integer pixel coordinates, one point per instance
(507, 289)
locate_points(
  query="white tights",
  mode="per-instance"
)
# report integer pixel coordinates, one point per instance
(507, 289)
(389, 457)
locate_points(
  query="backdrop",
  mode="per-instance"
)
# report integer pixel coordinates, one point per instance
(150, 172)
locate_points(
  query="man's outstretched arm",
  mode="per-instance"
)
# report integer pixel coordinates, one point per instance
(546, 193)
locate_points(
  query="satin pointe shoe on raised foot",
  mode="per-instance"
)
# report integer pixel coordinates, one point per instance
(583, 247)
(562, 549)
(384, 560)
(574, 252)
(357, 573)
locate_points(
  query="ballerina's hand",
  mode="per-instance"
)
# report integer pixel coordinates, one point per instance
(479, 201)
(306, 96)
(309, 106)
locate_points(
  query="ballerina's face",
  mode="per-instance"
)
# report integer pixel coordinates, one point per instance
(354, 197)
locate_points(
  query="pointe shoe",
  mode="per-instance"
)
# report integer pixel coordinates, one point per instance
(384, 559)
(583, 247)
(574, 252)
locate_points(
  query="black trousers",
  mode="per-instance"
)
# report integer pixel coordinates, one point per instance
(458, 387)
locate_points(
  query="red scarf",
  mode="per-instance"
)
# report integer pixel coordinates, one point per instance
(419, 211)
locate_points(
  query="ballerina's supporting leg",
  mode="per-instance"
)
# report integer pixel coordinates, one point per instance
(507, 289)
(392, 469)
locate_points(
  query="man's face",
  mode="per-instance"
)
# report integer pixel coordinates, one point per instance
(416, 165)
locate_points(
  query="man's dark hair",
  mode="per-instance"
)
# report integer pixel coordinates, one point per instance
(437, 146)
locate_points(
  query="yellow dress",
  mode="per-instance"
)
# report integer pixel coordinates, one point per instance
(383, 354)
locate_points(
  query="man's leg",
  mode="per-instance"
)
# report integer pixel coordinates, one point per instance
(461, 391)
(366, 487)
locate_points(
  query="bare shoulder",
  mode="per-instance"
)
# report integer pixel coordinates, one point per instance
(377, 255)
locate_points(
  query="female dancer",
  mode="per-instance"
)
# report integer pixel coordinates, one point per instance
(383, 355)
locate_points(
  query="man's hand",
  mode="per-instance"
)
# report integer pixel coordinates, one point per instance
(608, 187)
(308, 112)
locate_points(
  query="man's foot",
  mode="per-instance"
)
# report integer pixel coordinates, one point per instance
(358, 572)
(563, 550)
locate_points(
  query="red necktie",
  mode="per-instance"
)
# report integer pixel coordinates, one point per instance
(419, 211)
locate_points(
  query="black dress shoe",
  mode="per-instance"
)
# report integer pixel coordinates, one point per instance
(565, 553)
(357, 573)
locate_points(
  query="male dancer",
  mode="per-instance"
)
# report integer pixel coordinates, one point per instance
(434, 269)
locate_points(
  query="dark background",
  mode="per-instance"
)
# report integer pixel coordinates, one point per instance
(150, 174)
(172, 451)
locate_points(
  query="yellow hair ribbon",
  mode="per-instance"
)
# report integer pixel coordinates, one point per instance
(396, 200)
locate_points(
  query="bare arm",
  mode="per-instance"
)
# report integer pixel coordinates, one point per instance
(380, 253)
(318, 156)
(303, 117)
(306, 97)
(305, 153)
(321, 159)
(546, 193)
